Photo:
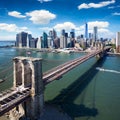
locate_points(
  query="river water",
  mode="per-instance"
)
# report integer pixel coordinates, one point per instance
(84, 93)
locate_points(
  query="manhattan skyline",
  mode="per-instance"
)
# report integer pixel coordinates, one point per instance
(36, 16)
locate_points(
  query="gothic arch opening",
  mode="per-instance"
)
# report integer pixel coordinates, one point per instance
(18, 73)
(27, 75)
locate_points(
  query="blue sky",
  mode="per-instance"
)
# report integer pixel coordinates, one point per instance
(36, 16)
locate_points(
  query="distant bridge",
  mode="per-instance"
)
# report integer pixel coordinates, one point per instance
(27, 72)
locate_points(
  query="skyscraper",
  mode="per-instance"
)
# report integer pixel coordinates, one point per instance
(33, 42)
(29, 38)
(86, 31)
(50, 39)
(39, 43)
(90, 35)
(63, 39)
(95, 33)
(118, 41)
(63, 42)
(63, 32)
(52, 36)
(45, 40)
(72, 33)
(21, 39)
(56, 42)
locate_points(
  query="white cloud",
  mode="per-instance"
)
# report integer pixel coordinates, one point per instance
(103, 32)
(66, 25)
(41, 1)
(41, 16)
(83, 6)
(16, 14)
(8, 37)
(116, 13)
(45, 29)
(12, 28)
(99, 24)
(8, 27)
(95, 5)
(8, 31)
(23, 28)
(20, 29)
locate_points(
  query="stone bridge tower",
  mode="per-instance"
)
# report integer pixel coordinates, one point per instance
(28, 73)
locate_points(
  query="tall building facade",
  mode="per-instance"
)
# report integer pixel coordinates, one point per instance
(29, 38)
(45, 40)
(72, 33)
(21, 39)
(118, 42)
(86, 31)
(72, 38)
(39, 43)
(54, 34)
(63, 32)
(51, 37)
(63, 42)
(33, 42)
(90, 36)
(56, 43)
(63, 39)
(95, 33)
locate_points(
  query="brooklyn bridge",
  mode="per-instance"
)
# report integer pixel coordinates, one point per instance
(26, 97)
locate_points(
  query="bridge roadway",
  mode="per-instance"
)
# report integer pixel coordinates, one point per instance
(13, 98)
(60, 70)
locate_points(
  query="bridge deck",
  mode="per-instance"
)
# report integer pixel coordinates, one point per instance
(57, 72)
(11, 100)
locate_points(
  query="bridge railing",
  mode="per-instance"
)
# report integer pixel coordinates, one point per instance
(65, 64)
(13, 101)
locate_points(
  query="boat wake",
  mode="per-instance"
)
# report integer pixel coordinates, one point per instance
(107, 70)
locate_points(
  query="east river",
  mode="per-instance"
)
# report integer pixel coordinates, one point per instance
(84, 93)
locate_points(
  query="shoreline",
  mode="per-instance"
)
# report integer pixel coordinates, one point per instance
(50, 50)
(7, 46)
